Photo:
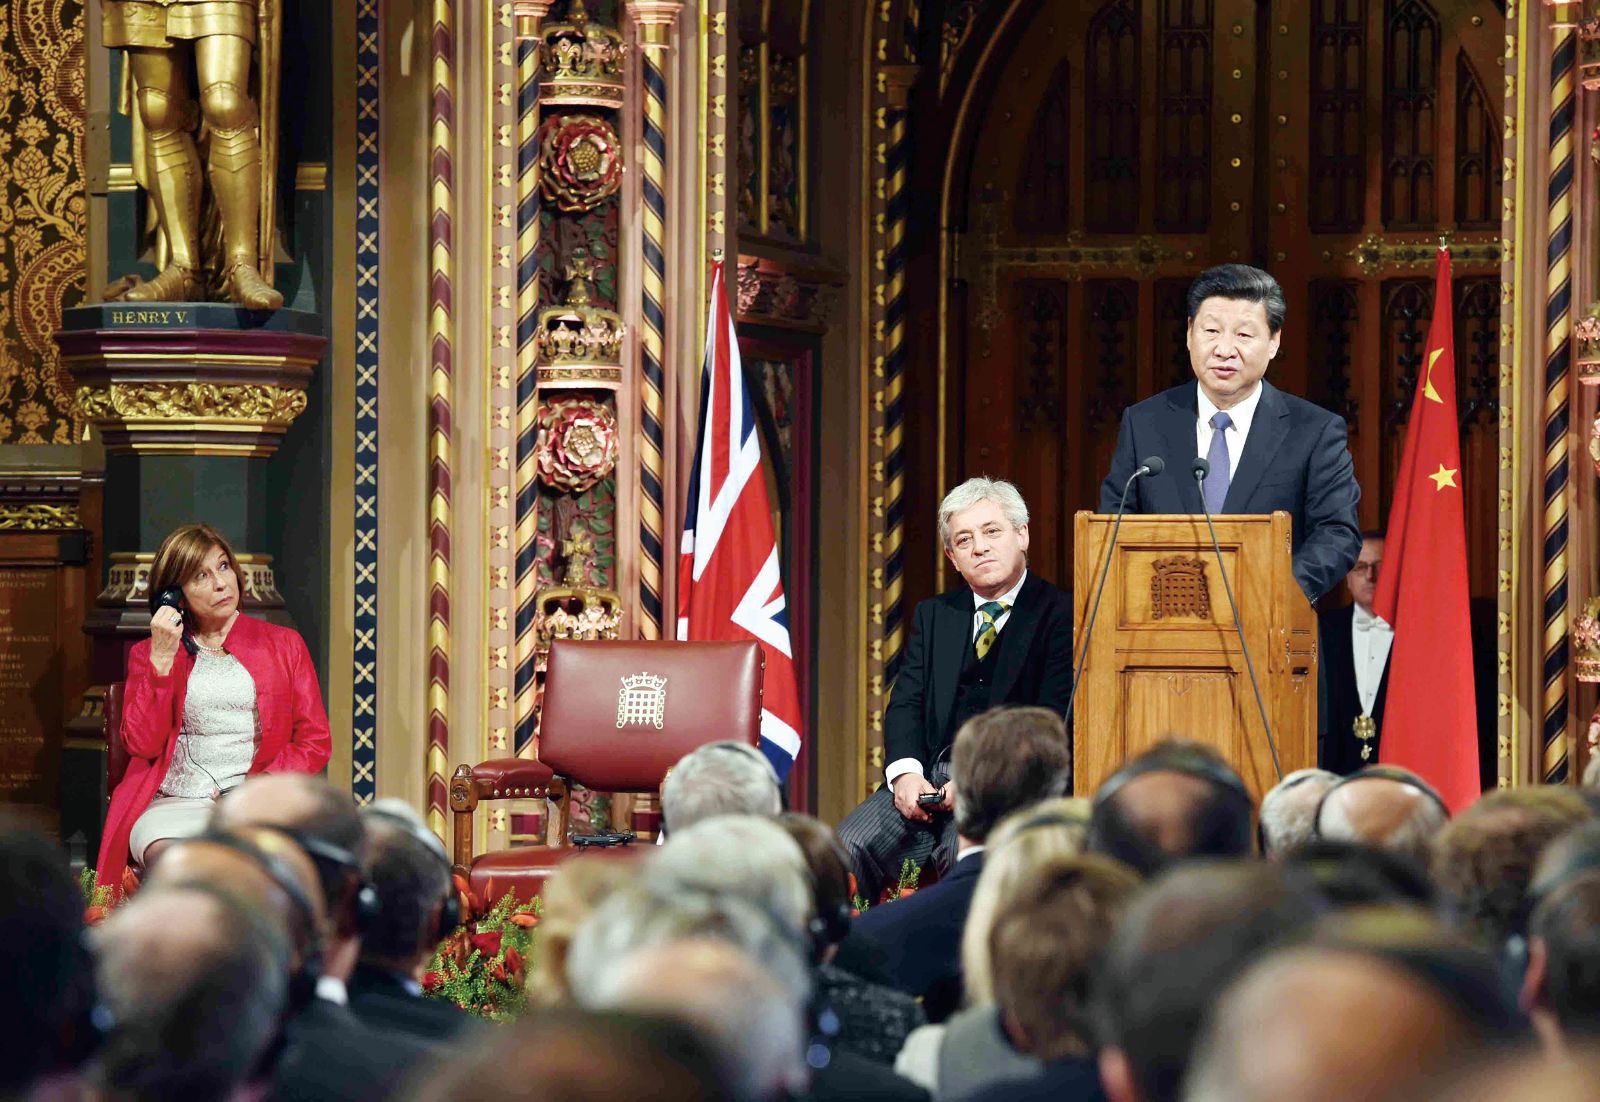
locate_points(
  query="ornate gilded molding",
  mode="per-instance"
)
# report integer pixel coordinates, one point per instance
(770, 295)
(1587, 334)
(128, 580)
(1380, 254)
(33, 516)
(191, 417)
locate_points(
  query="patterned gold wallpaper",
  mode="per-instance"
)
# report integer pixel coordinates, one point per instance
(42, 211)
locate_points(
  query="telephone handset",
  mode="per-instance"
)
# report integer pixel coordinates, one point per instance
(172, 597)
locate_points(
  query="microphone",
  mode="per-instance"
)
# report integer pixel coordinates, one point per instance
(1152, 465)
(1201, 468)
(172, 597)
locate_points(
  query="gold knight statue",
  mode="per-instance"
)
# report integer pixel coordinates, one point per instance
(164, 40)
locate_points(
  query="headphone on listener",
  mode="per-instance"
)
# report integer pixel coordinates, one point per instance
(368, 904)
(1382, 772)
(1175, 759)
(302, 979)
(450, 906)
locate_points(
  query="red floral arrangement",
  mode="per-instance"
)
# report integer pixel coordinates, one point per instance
(482, 965)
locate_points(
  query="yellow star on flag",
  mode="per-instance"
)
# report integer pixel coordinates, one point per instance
(1443, 477)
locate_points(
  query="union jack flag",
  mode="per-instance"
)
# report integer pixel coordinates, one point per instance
(729, 583)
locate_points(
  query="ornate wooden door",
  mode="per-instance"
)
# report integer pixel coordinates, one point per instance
(1121, 148)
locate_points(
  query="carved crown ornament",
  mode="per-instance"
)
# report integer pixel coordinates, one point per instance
(574, 609)
(579, 344)
(580, 62)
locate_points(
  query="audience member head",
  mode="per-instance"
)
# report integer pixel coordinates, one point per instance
(1044, 945)
(46, 976)
(829, 868)
(1005, 760)
(1289, 810)
(550, 1057)
(1362, 581)
(719, 778)
(1383, 806)
(983, 527)
(327, 825)
(194, 986)
(1024, 842)
(748, 1016)
(1368, 1011)
(1180, 942)
(649, 913)
(1176, 800)
(1350, 875)
(1516, 1077)
(1483, 861)
(1561, 988)
(409, 869)
(569, 898)
(265, 869)
(743, 856)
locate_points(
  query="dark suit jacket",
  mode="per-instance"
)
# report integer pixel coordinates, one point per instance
(329, 1054)
(1340, 750)
(380, 1000)
(1033, 666)
(853, 1078)
(1295, 459)
(919, 937)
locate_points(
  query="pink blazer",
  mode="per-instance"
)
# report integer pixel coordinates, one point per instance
(294, 724)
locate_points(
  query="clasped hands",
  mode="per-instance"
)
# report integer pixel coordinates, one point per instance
(909, 786)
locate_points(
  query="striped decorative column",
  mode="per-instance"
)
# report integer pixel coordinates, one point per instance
(529, 13)
(894, 360)
(364, 526)
(654, 20)
(1557, 383)
(440, 369)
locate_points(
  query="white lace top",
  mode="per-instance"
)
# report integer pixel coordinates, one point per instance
(221, 728)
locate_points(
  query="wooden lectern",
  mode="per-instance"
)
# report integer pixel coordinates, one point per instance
(1164, 659)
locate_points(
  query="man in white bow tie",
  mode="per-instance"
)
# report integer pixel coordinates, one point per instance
(1355, 654)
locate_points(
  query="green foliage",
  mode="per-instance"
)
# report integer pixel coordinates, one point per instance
(94, 895)
(910, 874)
(482, 966)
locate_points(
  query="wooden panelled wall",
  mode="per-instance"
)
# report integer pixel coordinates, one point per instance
(1105, 154)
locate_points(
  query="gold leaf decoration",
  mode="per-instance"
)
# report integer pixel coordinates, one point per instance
(42, 213)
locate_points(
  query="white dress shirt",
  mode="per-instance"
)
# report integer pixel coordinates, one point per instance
(901, 766)
(1370, 640)
(1241, 414)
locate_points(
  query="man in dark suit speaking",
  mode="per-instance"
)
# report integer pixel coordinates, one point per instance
(1005, 637)
(1267, 449)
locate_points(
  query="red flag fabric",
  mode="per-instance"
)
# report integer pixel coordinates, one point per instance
(1430, 722)
(729, 582)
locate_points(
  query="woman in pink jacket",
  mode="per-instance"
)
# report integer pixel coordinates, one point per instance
(212, 697)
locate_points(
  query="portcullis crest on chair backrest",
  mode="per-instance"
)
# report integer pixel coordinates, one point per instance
(642, 701)
(1178, 588)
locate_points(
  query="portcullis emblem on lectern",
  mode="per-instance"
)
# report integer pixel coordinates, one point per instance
(642, 701)
(1178, 588)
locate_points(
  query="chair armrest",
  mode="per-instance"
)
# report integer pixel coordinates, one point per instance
(499, 779)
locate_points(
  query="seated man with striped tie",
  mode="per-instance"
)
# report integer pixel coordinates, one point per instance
(1266, 450)
(1005, 637)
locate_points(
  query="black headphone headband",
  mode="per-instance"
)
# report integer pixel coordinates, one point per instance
(1190, 763)
(275, 868)
(425, 838)
(1381, 772)
(1583, 862)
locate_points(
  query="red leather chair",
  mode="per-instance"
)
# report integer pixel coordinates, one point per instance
(116, 750)
(617, 715)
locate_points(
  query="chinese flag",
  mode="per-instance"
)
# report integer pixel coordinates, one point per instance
(1430, 724)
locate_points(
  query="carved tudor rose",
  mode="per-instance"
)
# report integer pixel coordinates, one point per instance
(1178, 588)
(642, 701)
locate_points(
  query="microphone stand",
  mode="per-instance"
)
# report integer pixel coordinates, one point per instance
(1154, 465)
(1202, 468)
